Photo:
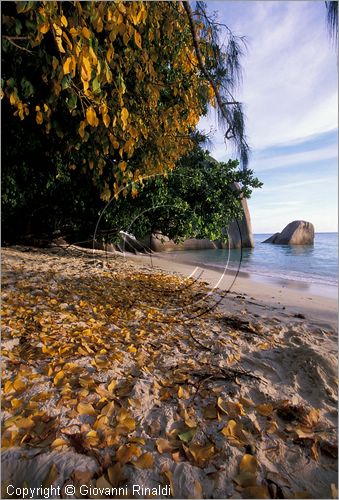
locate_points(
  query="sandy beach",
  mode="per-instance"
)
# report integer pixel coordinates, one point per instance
(264, 296)
(119, 371)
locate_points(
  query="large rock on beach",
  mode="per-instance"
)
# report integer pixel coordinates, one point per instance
(298, 232)
(240, 232)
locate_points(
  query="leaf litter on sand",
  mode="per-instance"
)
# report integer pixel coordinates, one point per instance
(93, 363)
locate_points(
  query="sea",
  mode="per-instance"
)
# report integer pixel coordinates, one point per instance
(315, 264)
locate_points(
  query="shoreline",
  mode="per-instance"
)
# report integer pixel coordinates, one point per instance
(318, 303)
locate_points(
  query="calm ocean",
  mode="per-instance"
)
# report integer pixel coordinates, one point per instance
(316, 264)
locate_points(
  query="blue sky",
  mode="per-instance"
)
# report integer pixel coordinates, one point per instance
(290, 97)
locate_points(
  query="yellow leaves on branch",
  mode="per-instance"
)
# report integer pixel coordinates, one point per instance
(86, 33)
(69, 65)
(86, 69)
(124, 117)
(137, 39)
(136, 120)
(91, 117)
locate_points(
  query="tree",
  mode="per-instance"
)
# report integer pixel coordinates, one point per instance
(197, 199)
(117, 80)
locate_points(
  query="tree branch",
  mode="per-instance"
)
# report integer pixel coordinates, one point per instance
(10, 39)
(189, 13)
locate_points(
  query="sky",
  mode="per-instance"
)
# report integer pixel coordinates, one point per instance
(289, 92)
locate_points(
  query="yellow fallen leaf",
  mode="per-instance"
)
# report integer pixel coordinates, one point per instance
(248, 463)
(145, 461)
(67, 66)
(92, 438)
(210, 411)
(265, 409)
(126, 452)
(8, 439)
(169, 477)
(230, 408)
(58, 442)
(201, 454)
(108, 409)
(301, 494)
(315, 450)
(16, 403)
(245, 479)
(51, 476)
(114, 473)
(112, 385)
(264, 346)
(246, 402)
(58, 377)
(8, 387)
(310, 419)
(43, 28)
(25, 423)
(19, 384)
(234, 432)
(256, 492)
(183, 393)
(164, 446)
(334, 490)
(86, 409)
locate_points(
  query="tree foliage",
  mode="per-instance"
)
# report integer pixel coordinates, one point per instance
(198, 199)
(117, 79)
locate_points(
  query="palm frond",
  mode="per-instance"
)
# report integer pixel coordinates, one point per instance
(332, 19)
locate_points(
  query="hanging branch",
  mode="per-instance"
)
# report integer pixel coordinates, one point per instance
(234, 119)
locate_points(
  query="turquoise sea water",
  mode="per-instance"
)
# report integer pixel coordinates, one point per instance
(317, 264)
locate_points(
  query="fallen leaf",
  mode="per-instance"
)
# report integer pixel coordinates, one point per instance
(58, 377)
(234, 433)
(231, 409)
(82, 476)
(334, 490)
(25, 423)
(183, 392)
(163, 445)
(86, 409)
(187, 436)
(245, 479)
(51, 476)
(256, 492)
(145, 461)
(265, 409)
(58, 442)
(210, 411)
(126, 452)
(200, 454)
(115, 474)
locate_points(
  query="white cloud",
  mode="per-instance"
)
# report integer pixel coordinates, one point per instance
(279, 161)
(290, 76)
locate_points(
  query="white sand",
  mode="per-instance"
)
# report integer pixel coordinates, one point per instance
(285, 358)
